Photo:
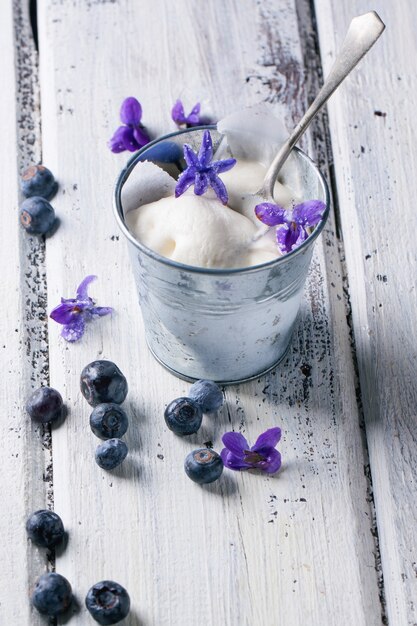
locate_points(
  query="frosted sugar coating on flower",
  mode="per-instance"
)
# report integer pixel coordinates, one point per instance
(238, 455)
(202, 172)
(74, 313)
(132, 135)
(179, 117)
(292, 224)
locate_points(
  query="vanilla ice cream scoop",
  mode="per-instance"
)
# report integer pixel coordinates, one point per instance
(199, 231)
(244, 180)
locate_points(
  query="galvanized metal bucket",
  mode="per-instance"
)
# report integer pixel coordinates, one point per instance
(219, 324)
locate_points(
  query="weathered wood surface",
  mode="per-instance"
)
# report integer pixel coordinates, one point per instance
(298, 548)
(250, 549)
(24, 449)
(374, 138)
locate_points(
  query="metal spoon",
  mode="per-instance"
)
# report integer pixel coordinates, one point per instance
(362, 33)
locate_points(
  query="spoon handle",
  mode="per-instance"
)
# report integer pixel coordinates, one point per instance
(363, 32)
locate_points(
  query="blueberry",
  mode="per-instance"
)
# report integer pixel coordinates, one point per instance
(52, 594)
(45, 528)
(165, 152)
(111, 453)
(203, 465)
(108, 602)
(102, 381)
(207, 394)
(37, 180)
(108, 420)
(45, 405)
(37, 216)
(183, 416)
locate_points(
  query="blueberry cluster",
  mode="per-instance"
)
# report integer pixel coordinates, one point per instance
(184, 416)
(38, 185)
(107, 601)
(105, 388)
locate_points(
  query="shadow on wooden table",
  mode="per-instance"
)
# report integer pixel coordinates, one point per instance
(133, 619)
(226, 486)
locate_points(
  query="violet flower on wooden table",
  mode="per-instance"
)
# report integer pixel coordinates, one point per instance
(131, 136)
(190, 120)
(74, 313)
(238, 455)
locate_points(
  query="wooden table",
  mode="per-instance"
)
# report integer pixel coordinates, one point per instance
(331, 539)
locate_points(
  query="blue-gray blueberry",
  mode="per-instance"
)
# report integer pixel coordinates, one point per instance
(45, 528)
(208, 395)
(37, 216)
(45, 405)
(108, 420)
(102, 381)
(108, 602)
(52, 594)
(111, 453)
(183, 416)
(203, 465)
(165, 152)
(37, 180)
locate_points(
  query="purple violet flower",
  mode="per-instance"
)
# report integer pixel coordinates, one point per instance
(292, 225)
(73, 313)
(179, 117)
(132, 135)
(201, 172)
(237, 455)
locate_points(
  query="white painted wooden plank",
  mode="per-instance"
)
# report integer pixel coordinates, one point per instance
(374, 137)
(24, 449)
(250, 549)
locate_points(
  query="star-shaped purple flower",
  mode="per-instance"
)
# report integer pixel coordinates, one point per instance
(73, 313)
(132, 135)
(201, 172)
(179, 117)
(292, 225)
(237, 455)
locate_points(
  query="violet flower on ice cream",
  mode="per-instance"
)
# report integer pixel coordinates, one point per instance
(179, 117)
(292, 224)
(202, 172)
(73, 313)
(237, 455)
(132, 135)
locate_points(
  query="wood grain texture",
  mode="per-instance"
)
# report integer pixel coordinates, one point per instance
(374, 139)
(24, 448)
(296, 548)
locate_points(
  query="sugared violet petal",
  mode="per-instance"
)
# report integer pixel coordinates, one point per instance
(201, 172)
(291, 224)
(179, 117)
(130, 112)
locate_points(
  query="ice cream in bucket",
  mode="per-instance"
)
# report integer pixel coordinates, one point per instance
(227, 324)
